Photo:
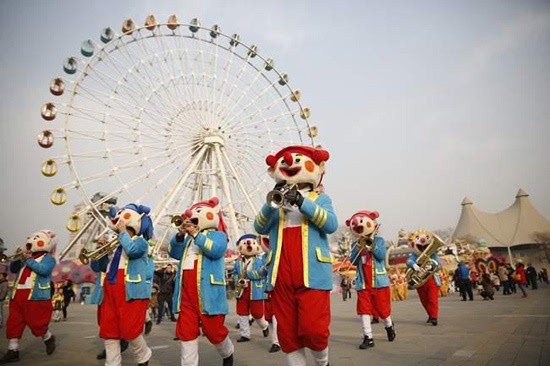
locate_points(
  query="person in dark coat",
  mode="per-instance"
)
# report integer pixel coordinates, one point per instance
(488, 291)
(68, 294)
(531, 274)
(165, 279)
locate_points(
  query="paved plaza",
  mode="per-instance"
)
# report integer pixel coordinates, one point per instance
(507, 331)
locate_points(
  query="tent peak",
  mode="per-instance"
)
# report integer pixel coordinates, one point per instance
(521, 193)
(466, 201)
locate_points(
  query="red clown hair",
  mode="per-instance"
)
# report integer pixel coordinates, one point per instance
(317, 155)
(373, 215)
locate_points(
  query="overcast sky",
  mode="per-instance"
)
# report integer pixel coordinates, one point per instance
(420, 103)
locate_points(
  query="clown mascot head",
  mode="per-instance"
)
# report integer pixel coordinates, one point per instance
(199, 295)
(299, 274)
(125, 283)
(249, 278)
(30, 299)
(428, 293)
(372, 282)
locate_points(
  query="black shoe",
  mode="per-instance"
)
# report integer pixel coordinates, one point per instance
(367, 343)
(391, 333)
(11, 356)
(433, 321)
(228, 361)
(50, 345)
(146, 363)
(148, 327)
(124, 345)
(176, 339)
(463, 300)
(266, 332)
(251, 321)
(102, 355)
(173, 319)
(429, 320)
(375, 321)
(274, 348)
(243, 339)
(158, 322)
(238, 326)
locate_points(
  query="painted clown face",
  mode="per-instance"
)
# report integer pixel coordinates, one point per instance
(205, 216)
(419, 240)
(297, 168)
(130, 217)
(249, 247)
(41, 241)
(361, 226)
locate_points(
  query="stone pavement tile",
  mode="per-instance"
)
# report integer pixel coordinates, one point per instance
(501, 361)
(455, 361)
(545, 356)
(528, 355)
(430, 362)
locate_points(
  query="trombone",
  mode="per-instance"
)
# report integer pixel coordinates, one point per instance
(19, 255)
(103, 251)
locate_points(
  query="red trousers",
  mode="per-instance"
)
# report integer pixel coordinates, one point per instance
(35, 314)
(374, 301)
(190, 315)
(117, 317)
(428, 294)
(268, 310)
(303, 314)
(246, 306)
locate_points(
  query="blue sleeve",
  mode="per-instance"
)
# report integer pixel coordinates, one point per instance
(320, 213)
(16, 266)
(436, 258)
(100, 265)
(213, 244)
(259, 273)
(379, 251)
(176, 248)
(412, 260)
(236, 273)
(44, 268)
(355, 255)
(133, 249)
(265, 219)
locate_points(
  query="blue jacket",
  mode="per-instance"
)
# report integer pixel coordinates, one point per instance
(137, 278)
(256, 276)
(379, 276)
(210, 270)
(318, 220)
(463, 272)
(41, 271)
(412, 260)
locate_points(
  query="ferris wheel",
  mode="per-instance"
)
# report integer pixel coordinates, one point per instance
(166, 114)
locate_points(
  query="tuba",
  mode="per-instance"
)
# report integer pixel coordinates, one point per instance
(103, 251)
(428, 266)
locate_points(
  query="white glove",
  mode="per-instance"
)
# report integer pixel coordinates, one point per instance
(416, 267)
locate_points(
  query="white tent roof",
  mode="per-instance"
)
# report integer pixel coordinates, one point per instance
(513, 226)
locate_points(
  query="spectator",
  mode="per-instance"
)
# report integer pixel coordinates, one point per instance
(464, 282)
(531, 275)
(487, 292)
(345, 285)
(510, 277)
(495, 280)
(154, 303)
(504, 280)
(520, 278)
(68, 294)
(58, 303)
(166, 279)
(545, 276)
(3, 295)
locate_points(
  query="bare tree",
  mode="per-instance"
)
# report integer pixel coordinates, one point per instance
(542, 239)
(444, 233)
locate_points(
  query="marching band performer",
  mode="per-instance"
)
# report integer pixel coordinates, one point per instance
(199, 295)
(124, 289)
(30, 299)
(249, 282)
(429, 291)
(373, 285)
(268, 309)
(298, 217)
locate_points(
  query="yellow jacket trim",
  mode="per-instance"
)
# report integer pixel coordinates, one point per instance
(315, 214)
(324, 220)
(214, 282)
(305, 253)
(128, 279)
(322, 258)
(199, 270)
(43, 287)
(208, 244)
(269, 257)
(279, 246)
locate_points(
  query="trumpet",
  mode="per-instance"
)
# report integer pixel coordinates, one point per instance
(19, 255)
(179, 222)
(276, 198)
(85, 256)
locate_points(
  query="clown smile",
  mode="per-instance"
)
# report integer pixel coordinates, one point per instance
(194, 220)
(114, 220)
(359, 229)
(422, 247)
(249, 248)
(290, 172)
(29, 246)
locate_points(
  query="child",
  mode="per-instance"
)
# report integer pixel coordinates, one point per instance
(58, 300)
